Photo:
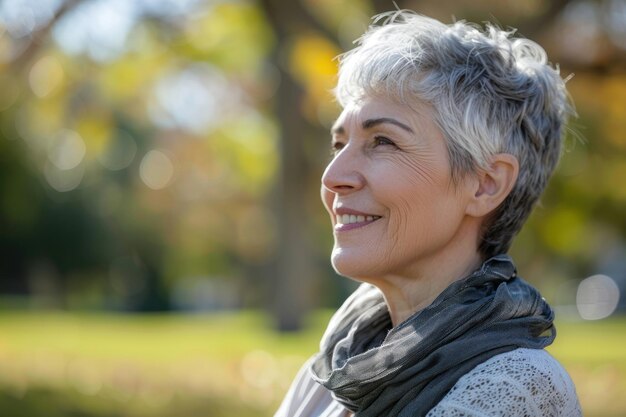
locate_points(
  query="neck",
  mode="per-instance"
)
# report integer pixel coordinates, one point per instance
(417, 287)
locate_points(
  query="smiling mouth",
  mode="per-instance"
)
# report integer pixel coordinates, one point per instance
(352, 218)
(345, 222)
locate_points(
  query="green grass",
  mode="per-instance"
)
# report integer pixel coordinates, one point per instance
(148, 365)
(594, 354)
(55, 364)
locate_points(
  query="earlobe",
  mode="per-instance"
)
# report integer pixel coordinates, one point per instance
(493, 185)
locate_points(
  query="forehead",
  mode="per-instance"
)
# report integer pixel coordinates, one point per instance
(374, 107)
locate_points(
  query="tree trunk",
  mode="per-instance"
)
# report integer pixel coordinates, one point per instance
(295, 266)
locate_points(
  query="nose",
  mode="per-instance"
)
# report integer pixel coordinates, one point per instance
(343, 174)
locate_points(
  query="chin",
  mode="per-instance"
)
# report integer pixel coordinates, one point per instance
(351, 264)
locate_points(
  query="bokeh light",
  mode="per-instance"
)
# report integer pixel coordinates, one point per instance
(119, 152)
(156, 170)
(66, 150)
(597, 297)
(64, 171)
(21, 17)
(195, 99)
(63, 180)
(46, 76)
(98, 28)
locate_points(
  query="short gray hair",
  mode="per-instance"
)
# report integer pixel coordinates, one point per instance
(492, 93)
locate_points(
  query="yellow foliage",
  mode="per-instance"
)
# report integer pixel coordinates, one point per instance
(234, 35)
(96, 131)
(564, 230)
(615, 114)
(312, 63)
(249, 145)
(131, 77)
(602, 98)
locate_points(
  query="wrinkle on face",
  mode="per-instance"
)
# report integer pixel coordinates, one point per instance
(420, 168)
(408, 185)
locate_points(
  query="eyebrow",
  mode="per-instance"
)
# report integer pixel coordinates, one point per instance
(370, 123)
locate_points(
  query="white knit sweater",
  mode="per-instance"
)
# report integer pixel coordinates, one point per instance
(520, 383)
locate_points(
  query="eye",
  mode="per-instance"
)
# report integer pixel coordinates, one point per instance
(383, 141)
(335, 147)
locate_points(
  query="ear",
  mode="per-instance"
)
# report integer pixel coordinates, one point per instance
(493, 185)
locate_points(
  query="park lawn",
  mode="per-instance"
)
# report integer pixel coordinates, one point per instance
(594, 354)
(59, 364)
(148, 365)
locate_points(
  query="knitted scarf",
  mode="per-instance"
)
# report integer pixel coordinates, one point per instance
(375, 370)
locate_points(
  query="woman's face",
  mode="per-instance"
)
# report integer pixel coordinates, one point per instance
(388, 190)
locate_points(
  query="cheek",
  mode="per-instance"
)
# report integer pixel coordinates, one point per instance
(417, 186)
(410, 222)
(400, 231)
(427, 170)
(417, 201)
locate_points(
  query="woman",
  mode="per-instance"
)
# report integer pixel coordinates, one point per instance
(446, 140)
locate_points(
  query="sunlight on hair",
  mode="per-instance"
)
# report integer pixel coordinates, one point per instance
(597, 297)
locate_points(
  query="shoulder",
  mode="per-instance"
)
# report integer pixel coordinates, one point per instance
(306, 397)
(517, 383)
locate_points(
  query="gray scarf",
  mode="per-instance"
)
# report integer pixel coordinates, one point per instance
(375, 370)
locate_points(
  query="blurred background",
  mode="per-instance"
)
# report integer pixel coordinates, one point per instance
(163, 250)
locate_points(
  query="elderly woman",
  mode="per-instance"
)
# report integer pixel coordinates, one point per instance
(447, 138)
